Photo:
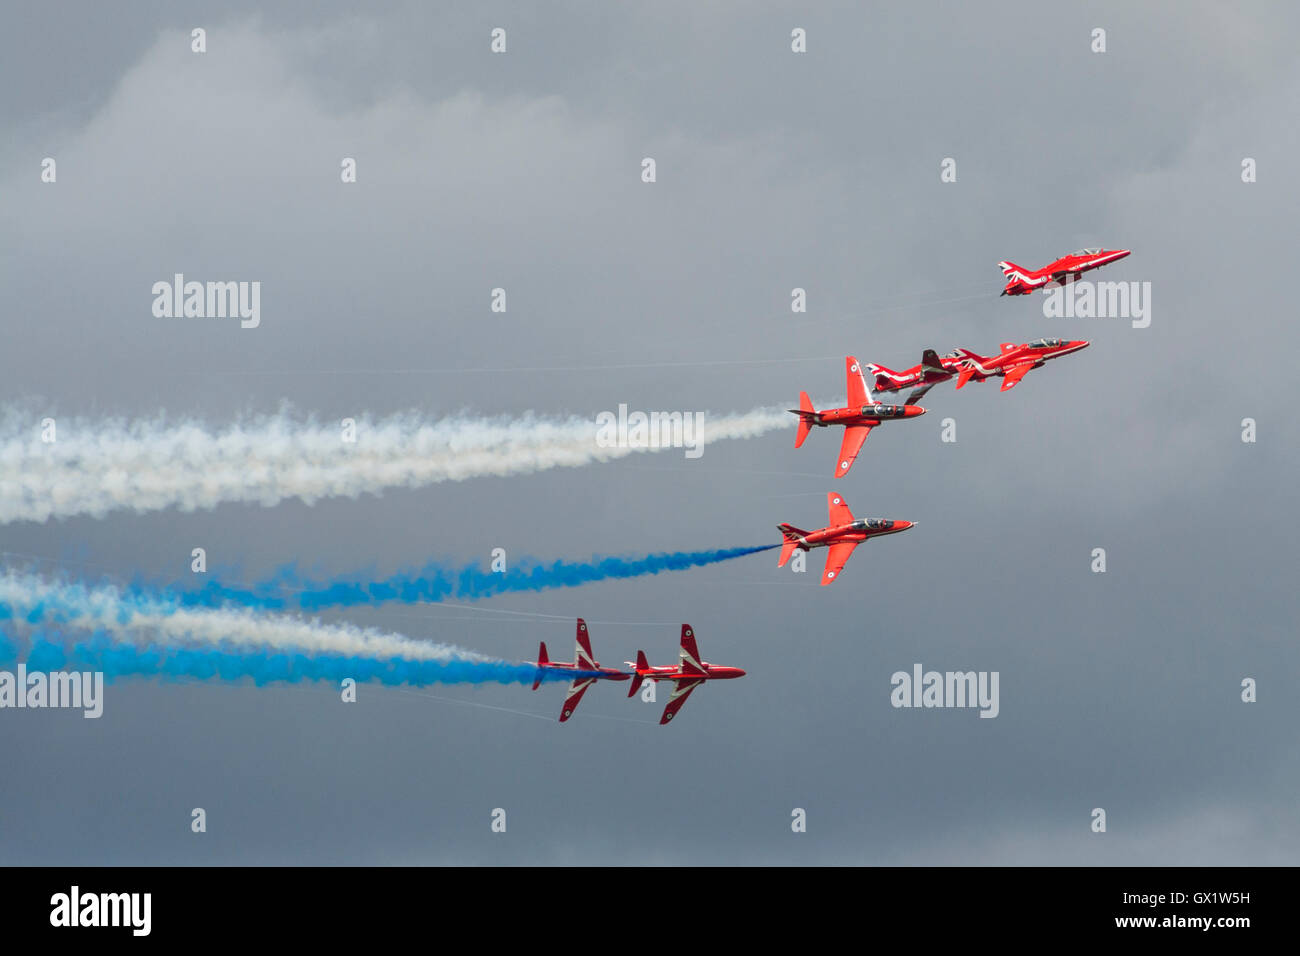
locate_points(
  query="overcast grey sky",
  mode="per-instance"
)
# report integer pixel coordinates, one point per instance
(775, 170)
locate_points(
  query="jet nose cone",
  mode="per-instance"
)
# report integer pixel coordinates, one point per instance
(739, 672)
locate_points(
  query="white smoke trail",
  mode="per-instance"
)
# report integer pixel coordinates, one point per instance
(132, 617)
(96, 467)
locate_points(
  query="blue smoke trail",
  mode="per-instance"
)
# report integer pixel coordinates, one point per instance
(263, 666)
(288, 588)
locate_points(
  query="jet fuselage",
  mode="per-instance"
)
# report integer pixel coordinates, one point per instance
(857, 531)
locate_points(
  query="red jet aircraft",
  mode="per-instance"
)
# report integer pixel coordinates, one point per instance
(934, 368)
(1065, 269)
(861, 415)
(689, 674)
(842, 534)
(585, 663)
(1015, 361)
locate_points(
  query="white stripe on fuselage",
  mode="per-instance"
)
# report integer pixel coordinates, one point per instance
(878, 372)
(1027, 280)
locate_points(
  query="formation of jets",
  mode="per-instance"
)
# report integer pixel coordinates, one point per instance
(689, 673)
(863, 411)
(843, 532)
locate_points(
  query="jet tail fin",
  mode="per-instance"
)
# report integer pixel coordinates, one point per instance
(805, 413)
(930, 362)
(884, 376)
(790, 536)
(641, 665)
(1019, 280)
(969, 366)
(542, 660)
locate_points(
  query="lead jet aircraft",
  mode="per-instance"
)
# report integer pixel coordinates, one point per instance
(584, 663)
(1021, 281)
(934, 368)
(842, 534)
(862, 414)
(1014, 361)
(689, 673)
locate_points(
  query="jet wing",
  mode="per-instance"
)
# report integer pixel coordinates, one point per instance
(582, 655)
(682, 688)
(576, 690)
(918, 393)
(1015, 375)
(836, 556)
(837, 510)
(854, 436)
(855, 386)
(689, 657)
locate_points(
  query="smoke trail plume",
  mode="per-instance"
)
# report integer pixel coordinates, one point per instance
(154, 631)
(115, 660)
(236, 642)
(96, 467)
(132, 617)
(290, 588)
